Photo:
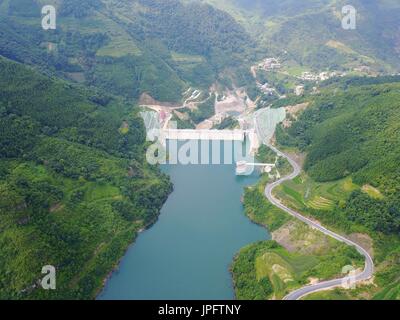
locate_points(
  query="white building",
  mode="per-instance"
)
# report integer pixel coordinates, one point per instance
(299, 90)
(270, 64)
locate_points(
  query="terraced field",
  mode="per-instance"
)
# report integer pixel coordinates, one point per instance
(284, 270)
(298, 255)
(321, 203)
(303, 192)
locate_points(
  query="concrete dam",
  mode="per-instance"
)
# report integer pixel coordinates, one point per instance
(212, 135)
(188, 134)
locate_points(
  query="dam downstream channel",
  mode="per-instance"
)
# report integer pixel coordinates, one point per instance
(188, 252)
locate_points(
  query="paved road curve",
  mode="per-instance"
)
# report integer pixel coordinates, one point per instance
(302, 292)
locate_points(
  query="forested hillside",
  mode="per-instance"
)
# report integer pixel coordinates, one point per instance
(75, 188)
(311, 33)
(351, 135)
(128, 47)
(285, 8)
(355, 133)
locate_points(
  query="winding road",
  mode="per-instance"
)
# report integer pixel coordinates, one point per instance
(326, 285)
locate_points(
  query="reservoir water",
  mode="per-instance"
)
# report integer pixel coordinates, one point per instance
(188, 252)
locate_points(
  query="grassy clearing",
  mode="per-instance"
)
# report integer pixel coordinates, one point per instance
(296, 71)
(118, 47)
(185, 58)
(285, 270)
(341, 47)
(336, 295)
(372, 192)
(293, 194)
(96, 192)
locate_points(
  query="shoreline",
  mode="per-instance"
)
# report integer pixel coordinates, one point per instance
(116, 265)
(150, 225)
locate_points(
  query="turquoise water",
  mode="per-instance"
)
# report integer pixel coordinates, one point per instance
(188, 252)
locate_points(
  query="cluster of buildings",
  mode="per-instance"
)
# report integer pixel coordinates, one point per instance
(270, 64)
(363, 69)
(266, 89)
(309, 76)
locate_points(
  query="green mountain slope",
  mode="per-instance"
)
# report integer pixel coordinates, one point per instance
(127, 47)
(351, 135)
(74, 188)
(285, 8)
(355, 133)
(310, 31)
